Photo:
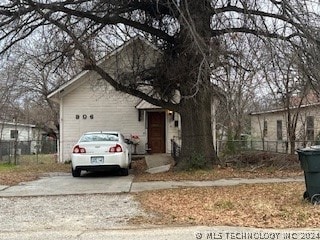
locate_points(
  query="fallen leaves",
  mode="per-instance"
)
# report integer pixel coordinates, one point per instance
(244, 165)
(201, 175)
(258, 205)
(30, 168)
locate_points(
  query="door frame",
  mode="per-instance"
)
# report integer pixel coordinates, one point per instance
(149, 150)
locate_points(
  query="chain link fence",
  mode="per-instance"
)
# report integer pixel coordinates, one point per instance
(11, 150)
(234, 146)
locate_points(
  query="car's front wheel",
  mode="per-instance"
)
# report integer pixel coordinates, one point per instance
(75, 172)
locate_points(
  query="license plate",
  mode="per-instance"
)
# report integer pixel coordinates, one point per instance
(97, 160)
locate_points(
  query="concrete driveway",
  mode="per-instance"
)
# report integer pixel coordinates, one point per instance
(95, 183)
(65, 184)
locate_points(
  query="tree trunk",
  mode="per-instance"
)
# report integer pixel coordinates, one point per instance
(194, 58)
(197, 150)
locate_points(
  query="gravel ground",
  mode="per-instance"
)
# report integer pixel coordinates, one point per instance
(69, 212)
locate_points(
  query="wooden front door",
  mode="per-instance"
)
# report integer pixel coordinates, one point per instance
(156, 132)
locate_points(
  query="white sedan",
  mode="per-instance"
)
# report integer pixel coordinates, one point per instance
(101, 151)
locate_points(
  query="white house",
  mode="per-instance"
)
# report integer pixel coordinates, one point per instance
(272, 126)
(25, 134)
(16, 131)
(88, 103)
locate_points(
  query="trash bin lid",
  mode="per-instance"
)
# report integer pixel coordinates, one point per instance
(315, 148)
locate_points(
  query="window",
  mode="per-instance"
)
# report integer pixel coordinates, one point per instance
(99, 137)
(279, 129)
(265, 128)
(310, 128)
(13, 134)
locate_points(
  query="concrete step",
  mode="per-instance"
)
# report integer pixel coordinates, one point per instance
(159, 162)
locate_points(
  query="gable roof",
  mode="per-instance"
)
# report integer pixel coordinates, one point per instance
(284, 109)
(17, 124)
(296, 101)
(144, 105)
(55, 93)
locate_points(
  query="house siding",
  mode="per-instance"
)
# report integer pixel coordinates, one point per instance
(172, 130)
(257, 126)
(28, 137)
(25, 132)
(130, 58)
(272, 117)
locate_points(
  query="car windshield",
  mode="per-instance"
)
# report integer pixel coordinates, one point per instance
(98, 137)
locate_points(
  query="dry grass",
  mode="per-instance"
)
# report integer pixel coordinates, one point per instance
(258, 205)
(245, 165)
(218, 173)
(30, 168)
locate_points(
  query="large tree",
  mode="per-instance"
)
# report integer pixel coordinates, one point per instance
(239, 78)
(189, 32)
(290, 88)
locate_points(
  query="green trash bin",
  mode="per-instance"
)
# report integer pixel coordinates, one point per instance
(310, 163)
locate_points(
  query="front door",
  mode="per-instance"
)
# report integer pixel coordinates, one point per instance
(156, 132)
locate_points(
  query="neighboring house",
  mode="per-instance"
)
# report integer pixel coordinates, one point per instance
(25, 134)
(16, 131)
(272, 125)
(88, 103)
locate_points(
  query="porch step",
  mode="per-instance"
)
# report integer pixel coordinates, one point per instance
(158, 162)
